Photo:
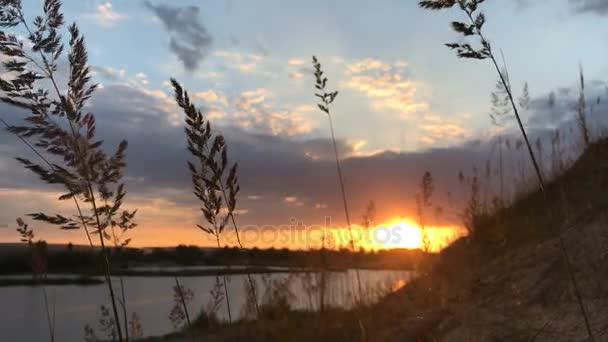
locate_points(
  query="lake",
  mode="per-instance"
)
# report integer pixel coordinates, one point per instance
(22, 311)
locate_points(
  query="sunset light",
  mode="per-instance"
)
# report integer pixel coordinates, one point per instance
(405, 233)
(186, 170)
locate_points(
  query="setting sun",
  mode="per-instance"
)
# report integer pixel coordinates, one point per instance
(405, 233)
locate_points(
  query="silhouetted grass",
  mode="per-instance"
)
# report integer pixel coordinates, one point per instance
(61, 127)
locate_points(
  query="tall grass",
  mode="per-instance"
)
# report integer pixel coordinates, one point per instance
(326, 99)
(79, 163)
(215, 185)
(474, 27)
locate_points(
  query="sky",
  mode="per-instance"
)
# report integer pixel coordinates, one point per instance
(406, 104)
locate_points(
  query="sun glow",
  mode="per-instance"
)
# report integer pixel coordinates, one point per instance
(405, 233)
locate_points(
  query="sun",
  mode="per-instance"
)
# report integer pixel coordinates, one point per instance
(398, 233)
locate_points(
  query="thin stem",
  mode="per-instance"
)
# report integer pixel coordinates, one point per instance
(181, 295)
(124, 307)
(236, 231)
(510, 95)
(344, 201)
(238, 239)
(217, 239)
(50, 322)
(123, 301)
(502, 180)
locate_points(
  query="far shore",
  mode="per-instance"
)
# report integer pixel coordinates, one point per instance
(88, 278)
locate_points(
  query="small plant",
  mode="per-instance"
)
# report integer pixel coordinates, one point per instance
(248, 310)
(105, 326)
(277, 298)
(423, 203)
(369, 216)
(208, 318)
(136, 329)
(38, 259)
(473, 207)
(179, 314)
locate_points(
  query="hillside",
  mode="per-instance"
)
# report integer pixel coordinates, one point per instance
(509, 281)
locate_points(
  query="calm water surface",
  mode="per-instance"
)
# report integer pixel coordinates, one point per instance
(22, 312)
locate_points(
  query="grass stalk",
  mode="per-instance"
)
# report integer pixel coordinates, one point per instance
(82, 169)
(185, 306)
(326, 99)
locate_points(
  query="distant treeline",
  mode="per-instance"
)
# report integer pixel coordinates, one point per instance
(78, 260)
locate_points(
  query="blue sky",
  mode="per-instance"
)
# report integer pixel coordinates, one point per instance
(249, 66)
(543, 43)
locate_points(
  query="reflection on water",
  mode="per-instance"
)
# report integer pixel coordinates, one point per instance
(22, 318)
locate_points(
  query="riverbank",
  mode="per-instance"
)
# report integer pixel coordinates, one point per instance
(81, 281)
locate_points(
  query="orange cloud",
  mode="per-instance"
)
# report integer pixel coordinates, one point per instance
(386, 85)
(435, 129)
(211, 96)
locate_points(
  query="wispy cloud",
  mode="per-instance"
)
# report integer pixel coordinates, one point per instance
(211, 96)
(599, 7)
(436, 130)
(293, 200)
(190, 40)
(244, 62)
(105, 15)
(109, 73)
(255, 112)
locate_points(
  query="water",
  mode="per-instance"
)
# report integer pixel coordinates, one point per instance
(22, 315)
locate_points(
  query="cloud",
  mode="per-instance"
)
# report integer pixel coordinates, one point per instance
(599, 7)
(558, 107)
(271, 166)
(388, 86)
(105, 15)
(244, 62)
(211, 96)
(255, 113)
(435, 129)
(319, 148)
(109, 73)
(296, 61)
(290, 199)
(320, 206)
(189, 40)
(297, 68)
